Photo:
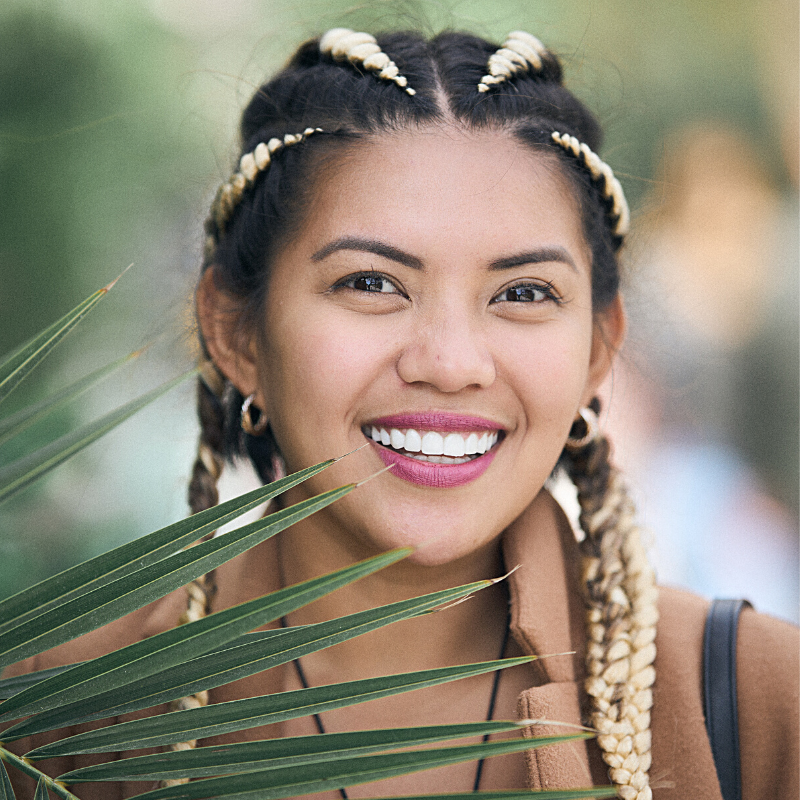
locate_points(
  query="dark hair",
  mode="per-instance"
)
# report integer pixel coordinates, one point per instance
(349, 103)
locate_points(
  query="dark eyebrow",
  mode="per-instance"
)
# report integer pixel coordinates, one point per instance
(369, 246)
(535, 257)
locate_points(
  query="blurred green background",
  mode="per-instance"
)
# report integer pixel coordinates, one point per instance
(117, 123)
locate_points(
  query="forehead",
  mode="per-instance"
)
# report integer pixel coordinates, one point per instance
(431, 188)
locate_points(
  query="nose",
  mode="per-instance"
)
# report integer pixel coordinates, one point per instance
(448, 353)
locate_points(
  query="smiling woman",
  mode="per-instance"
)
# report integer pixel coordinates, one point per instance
(417, 261)
(443, 303)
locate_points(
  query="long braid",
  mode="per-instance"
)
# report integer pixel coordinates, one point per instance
(206, 472)
(203, 494)
(346, 84)
(621, 598)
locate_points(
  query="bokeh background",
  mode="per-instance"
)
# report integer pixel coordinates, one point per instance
(118, 121)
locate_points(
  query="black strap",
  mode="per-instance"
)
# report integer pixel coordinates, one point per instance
(719, 693)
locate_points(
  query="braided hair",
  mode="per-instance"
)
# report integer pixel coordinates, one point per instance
(347, 87)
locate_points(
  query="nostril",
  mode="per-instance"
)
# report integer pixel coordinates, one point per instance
(459, 368)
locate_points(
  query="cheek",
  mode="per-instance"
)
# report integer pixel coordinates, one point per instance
(549, 368)
(317, 369)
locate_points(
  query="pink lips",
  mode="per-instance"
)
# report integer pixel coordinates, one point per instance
(441, 476)
(433, 421)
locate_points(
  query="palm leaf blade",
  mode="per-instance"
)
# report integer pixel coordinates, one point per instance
(173, 647)
(205, 762)
(25, 417)
(41, 791)
(19, 474)
(292, 781)
(243, 658)
(115, 600)
(130, 557)
(252, 712)
(6, 790)
(20, 363)
(11, 686)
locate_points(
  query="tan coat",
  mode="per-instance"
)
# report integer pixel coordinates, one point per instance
(547, 617)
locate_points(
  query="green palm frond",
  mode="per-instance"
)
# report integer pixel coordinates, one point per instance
(19, 474)
(6, 790)
(206, 762)
(19, 364)
(284, 782)
(29, 415)
(210, 652)
(245, 656)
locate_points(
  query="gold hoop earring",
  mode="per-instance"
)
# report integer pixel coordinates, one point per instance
(248, 426)
(588, 421)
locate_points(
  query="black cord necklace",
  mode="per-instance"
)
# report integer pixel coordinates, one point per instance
(489, 714)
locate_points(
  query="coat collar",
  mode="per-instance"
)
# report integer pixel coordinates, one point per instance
(547, 614)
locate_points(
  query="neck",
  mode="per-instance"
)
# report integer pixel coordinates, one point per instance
(468, 631)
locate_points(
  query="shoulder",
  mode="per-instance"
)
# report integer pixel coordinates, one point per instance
(768, 690)
(768, 673)
(765, 645)
(767, 652)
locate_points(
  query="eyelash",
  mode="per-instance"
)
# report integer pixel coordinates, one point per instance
(546, 289)
(348, 281)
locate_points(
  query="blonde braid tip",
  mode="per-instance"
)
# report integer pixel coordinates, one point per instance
(621, 641)
(344, 44)
(520, 52)
(603, 175)
(251, 164)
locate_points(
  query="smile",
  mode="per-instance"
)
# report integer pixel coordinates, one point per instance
(434, 447)
(435, 450)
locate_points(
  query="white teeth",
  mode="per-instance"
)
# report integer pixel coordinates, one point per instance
(449, 448)
(432, 443)
(454, 445)
(413, 441)
(442, 459)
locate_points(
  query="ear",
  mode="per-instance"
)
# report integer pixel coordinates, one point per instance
(229, 343)
(609, 333)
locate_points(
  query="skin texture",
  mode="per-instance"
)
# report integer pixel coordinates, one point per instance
(330, 358)
(447, 223)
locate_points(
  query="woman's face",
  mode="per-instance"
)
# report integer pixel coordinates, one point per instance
(436, 307)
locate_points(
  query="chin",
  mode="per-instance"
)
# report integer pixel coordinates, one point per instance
(439, 536)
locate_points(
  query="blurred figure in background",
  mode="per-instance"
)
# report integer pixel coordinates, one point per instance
(704, 407)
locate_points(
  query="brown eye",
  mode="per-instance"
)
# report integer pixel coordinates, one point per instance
(372, 282)
(525, 293)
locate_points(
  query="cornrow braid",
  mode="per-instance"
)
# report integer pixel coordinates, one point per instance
(621, 597)
(603, 175)
(344, 44)
(229, 195)
(203, 494)
(520, 52)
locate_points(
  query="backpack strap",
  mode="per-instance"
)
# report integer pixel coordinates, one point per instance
(719, 693)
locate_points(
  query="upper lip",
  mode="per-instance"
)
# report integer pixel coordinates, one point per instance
(436, 421)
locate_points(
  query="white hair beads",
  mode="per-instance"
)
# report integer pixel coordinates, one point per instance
(250, 165)
(521, 52)
(602, 174)
(344, 44)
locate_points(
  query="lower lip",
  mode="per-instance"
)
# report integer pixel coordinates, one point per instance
(440, 476)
